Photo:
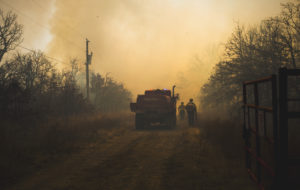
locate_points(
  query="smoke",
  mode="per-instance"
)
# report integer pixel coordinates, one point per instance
(146, 43)
(34, 16)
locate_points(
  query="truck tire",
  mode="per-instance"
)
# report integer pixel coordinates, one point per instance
(174, 121)
(171, 121)
(139, 121)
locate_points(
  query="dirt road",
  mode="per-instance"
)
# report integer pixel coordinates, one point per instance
(124, 158)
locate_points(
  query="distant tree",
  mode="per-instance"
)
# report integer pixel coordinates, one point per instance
(109, 95)
(31, 70)
(75, 68)
(289, 21)
(10, 32)
(97, 86)
(31, 82)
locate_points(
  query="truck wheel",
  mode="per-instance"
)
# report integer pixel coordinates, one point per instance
(139, 121)
(174, 121)
(171, 121)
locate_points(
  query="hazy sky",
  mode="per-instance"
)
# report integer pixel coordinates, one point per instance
(145, 44)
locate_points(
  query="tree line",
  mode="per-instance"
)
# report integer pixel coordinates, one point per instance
(251, 53)
(31, 84)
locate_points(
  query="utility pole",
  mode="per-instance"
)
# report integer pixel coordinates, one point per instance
(88, 62)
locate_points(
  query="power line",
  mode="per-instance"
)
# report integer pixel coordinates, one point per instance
(43, 26)
(37, 23)
(31, 50)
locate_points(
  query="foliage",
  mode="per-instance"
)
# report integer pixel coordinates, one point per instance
(30, 84)
(10, 32)
(252, 53)
(108, 94)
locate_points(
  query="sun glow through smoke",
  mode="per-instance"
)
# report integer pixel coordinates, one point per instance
(144, 44)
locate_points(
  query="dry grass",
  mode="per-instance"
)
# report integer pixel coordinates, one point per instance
(224, 137)
(29, 144)
(225, 134)
(216, 151)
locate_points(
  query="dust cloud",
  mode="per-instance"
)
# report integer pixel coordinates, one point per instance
(145, 44)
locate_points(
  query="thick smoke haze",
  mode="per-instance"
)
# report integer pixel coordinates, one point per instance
(145, 44)
(34, 15)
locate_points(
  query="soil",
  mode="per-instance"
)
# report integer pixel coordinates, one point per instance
(128, 159)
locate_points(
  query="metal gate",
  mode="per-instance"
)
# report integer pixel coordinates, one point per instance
(266, 142)
(258, 133)
(289, 123)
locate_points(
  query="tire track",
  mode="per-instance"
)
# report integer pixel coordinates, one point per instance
(139, 160)
(68, 173)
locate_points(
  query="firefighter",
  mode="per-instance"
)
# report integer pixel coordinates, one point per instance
(191, 111)
(181, 110)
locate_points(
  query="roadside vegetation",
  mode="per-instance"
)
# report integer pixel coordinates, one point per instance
(45, 115)
(250, 53)
(44, 112)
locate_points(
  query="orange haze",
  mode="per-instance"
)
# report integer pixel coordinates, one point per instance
(145, 44)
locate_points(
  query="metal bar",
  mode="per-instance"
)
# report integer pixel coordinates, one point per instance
(265, 126)
(245, 131)
(293, 99)
(270, 140)
(283, 130)
(275, 128)
(261, 161)
(253, 131)
(253, 177)
(248, 135)
(257, 140)
(293, 72)
(258, 80)
(294, 161)
(263, 108)
(293, 114)
(244, 109)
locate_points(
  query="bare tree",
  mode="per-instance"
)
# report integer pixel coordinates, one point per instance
(10, 32)
(252, 53)
(31, 70)
(290, 24)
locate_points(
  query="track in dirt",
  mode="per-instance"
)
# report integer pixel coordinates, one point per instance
(147, 159)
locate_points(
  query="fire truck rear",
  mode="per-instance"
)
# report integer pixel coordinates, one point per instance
(155, 107)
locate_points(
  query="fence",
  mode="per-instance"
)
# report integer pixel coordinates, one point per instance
(266, 126)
